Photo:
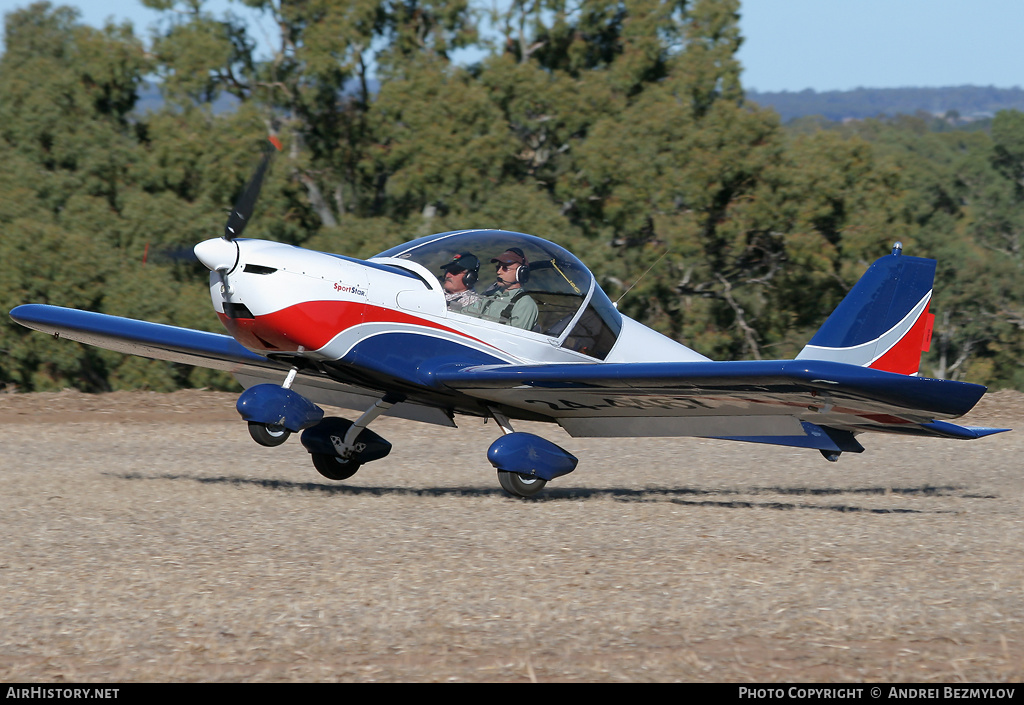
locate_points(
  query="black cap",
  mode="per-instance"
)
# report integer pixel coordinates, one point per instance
(464, 260)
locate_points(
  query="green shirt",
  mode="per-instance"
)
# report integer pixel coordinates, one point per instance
(523, 313)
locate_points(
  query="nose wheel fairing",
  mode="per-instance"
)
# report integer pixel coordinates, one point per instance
(275, 406)
(530, 456)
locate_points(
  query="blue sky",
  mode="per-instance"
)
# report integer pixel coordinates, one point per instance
(845, 44)
(819, 44)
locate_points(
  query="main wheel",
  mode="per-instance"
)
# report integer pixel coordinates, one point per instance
(520, 485)
(267, 434)
(334, 468)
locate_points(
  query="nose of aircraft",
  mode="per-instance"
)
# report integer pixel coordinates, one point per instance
(218, 254)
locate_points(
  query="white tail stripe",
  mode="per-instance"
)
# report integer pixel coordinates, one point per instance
(865, 354)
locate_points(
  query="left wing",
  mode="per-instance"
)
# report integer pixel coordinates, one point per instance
(806, 403)
(202, 349)
(153, 340)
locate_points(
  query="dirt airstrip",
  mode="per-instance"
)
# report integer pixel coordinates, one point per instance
(145, 537)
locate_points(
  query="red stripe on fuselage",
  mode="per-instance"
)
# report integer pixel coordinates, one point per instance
(313, 324)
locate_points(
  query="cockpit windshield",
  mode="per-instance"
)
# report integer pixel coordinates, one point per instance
(557, 282)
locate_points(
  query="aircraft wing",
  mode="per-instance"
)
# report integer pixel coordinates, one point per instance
(202, 349)
(153, 340)
(805, 403)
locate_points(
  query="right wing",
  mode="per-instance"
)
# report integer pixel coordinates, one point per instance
(808, 403)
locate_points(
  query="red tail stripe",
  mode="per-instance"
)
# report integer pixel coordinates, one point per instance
(905, 356)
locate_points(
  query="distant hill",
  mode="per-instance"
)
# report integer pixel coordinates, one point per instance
(969, 102)
(150, 100)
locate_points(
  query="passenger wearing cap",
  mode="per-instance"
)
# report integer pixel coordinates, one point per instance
(459, 277)
(505, 301)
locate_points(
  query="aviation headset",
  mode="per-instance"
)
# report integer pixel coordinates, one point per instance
(472, 268)
(523, 270)
(523, 273)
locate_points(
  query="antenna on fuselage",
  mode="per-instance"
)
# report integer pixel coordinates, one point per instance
(616, 304)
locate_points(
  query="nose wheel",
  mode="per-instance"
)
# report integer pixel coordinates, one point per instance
(520, 485)
(269, 435)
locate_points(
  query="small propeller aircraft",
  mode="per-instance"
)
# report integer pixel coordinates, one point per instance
(377, 336)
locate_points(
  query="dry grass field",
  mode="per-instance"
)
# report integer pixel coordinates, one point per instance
(145, 537)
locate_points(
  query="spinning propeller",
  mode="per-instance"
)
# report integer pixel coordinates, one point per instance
(244, 207)
(221, 254)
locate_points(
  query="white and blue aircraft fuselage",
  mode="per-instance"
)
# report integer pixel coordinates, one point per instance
(309, 328)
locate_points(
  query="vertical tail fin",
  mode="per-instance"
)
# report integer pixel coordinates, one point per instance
(884, 322)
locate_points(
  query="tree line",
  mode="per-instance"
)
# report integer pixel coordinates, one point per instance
(617, 128)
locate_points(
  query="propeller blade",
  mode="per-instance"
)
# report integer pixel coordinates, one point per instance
(243, 208)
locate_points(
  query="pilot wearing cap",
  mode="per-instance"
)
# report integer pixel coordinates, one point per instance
(459, 277)
(505, 301)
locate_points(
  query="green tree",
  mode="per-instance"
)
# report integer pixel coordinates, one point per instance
(89, 189)
(66, 144)
(960, 199)
(618, 128)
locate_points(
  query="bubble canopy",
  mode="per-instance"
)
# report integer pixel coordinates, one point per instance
(571, 305)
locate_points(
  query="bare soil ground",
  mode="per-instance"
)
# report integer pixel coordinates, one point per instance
(145, 537)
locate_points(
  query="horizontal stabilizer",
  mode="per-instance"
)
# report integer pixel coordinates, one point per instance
(967, 433)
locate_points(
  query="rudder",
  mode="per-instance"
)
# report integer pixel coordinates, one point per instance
(884, 322)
